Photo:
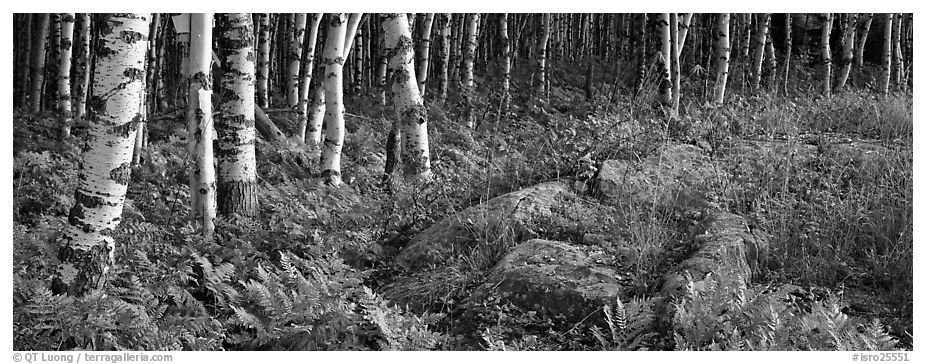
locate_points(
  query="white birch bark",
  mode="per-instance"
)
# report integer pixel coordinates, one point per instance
(886, 54)
(826, 55)
(722, 47)
(759, 50)
(469, 57)
(237, 165)
(506, 66)
(306, 84)
(294, 57)
(64, 72)
(87, 243)
(263, 62)
(333, 60)
(862, 39)
(409, 105)
(848, 52)
(200, 123)
(423, 52)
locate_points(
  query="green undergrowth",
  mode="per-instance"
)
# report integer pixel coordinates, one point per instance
(315, 270)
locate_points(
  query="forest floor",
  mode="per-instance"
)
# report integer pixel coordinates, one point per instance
(604, 201)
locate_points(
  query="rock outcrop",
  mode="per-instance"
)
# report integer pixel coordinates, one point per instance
(517, 215)
(554, 278)
(727, 246)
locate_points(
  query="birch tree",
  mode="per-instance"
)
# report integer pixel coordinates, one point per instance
(825, 53)
(663, 62)
(87, 244)
(640, 53)
(308, 65)
(722, 47)
(422, 52)
(469, 57)
(541, 68)
(506, 66)
(897, 53)
(684, 23)
(23, 52)
(759, 50)
(234, 127)
(82, 69)
(294, 57)
(37, 64)
(200, 123)
(848, 51)
(444, 52)
(333, 60)
(862, 39)
(886, 54)
(263, 62)
(673, 57)
(409, 105)
(64, 72)
(787, 58)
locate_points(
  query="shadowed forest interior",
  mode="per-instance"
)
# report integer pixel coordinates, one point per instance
(438, 181)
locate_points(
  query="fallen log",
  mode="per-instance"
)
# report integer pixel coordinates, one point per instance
(265, 126)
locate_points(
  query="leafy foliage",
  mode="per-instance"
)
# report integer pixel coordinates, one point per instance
(314, 270)
(721, 315)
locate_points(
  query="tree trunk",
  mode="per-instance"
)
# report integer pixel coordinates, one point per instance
(886, 54)
(745, 21)
(87, 244)
(848, 51)
(141, 121)
(456, 35)
(37, 66)
(683, 24)
(898, 61)
(200, 123)
(334, 106)
(772, 63)
(787, 60)
(506, 67)
(907, 49)
(663, 59)
(151, 79)
(52, 52)
(442, 72)
(825, 53)
(722, 46)
(541, 69)
(64, 72)
(409, 105)
(266, 127)
(353, 22)
(381, 69)
(307, 66)
(469, 57)
(640, 52)
(234, 127)
(673, 53)
(759, 50)
(82, 71)
(294, 58)
(862, 39)
(263, 62)
(25, 51)
(422, 52)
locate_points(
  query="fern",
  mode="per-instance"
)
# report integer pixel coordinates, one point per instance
(764, 323)
(630, 325)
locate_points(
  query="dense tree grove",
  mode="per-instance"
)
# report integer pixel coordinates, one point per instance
(227, 181)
